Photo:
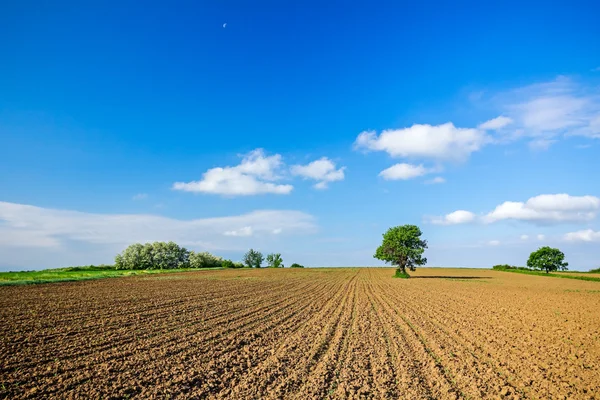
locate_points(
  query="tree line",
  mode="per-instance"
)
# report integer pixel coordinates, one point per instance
(169, 255)
(403, 247)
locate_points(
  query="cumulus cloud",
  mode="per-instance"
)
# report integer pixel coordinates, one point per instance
(524, 237)
(322, 170)
(541, 237)
(496, 123)
(439, 142)
(256, 174)
(547, 208)
(494, 242)
(403, 171)
(454, 218)
(587, 235)
(30, 226)
(542, 209)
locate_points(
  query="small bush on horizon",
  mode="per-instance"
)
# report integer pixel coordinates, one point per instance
(296, 265)
(503, 267)
(231, 264)
(204, 260)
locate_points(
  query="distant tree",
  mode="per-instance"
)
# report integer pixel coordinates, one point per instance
(548, 259)
(253, 258)
(169, 256)
(274, 260)
(157, 255)
(294, 265)
(402, 247)
(135, 256)
(204, 260)
(227, 264)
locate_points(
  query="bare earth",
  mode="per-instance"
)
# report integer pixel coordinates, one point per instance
(303, 334)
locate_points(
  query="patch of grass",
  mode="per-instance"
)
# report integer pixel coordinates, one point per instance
(551, 275)
(70, 274)
(401, 275)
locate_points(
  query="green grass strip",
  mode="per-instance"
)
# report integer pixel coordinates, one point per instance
(551, 275)
(78, 274)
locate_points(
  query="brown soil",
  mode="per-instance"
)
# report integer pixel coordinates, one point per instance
(303, 334)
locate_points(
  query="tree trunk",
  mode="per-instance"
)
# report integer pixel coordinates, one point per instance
(401, 268)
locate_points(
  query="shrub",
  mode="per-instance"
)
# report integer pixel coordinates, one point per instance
(227, 264)
(205, 260)
(163, 255)
(401, 274)
(503, 267)
(294, 265)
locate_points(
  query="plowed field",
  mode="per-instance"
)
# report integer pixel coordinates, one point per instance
(303, 334)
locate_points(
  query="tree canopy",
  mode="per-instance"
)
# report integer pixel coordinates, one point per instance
(274, 260)
(548, 259)
(157, 255)
(403, 247)
(253, 258)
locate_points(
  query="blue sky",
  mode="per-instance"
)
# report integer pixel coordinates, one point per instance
(299, 127)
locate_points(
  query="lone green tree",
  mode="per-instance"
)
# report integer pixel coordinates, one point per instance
(253, 258)
(274, 260)
(548, 259)
(402, 247)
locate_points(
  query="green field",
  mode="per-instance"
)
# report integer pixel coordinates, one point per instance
(77, 274)
(564, 274)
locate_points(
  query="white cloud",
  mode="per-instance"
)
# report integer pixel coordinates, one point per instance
(403, 171)
(30, 226)
(494, 242)
(454, 218)
(255, 175)
(322, 170)
(496, 123)
(547, 208)
(541, 237)
(440, 142)
(436, 180)
(140, 196)
(245, 231)
(559, 107)
(542, 209)
(587, 235)
(524, 237)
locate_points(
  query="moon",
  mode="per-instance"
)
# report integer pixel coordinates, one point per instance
(225, 25)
